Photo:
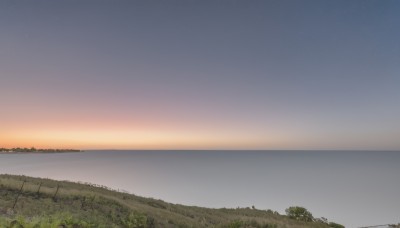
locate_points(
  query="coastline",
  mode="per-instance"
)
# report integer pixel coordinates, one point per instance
(41, 152)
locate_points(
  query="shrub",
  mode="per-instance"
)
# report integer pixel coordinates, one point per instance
(299, 213)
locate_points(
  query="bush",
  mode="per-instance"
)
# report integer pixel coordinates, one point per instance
(299, 213)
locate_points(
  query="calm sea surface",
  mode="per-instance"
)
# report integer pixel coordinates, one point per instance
(354, 188)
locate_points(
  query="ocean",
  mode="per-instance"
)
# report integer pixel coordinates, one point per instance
(354, 188)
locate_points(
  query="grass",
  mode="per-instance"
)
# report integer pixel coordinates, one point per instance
(78, 205)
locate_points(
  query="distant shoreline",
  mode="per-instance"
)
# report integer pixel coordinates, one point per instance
(36, 151)
(28, 152)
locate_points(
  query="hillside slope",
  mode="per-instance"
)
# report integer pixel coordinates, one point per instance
(35, 202)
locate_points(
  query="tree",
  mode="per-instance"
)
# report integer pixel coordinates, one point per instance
(299, 213)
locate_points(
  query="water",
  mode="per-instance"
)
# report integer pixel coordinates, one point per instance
(354, 188)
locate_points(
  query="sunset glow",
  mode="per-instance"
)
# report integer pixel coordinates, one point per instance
(139, 139)
(250, 79)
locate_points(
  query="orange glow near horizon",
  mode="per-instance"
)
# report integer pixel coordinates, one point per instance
(171, 134)
(97, 132)
(133, 128)
(131, 139)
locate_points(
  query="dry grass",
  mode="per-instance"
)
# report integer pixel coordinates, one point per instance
(90, 202)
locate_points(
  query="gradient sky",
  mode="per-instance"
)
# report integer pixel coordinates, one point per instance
(200, 74)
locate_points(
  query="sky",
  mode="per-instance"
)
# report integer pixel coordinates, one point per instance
(200, 74)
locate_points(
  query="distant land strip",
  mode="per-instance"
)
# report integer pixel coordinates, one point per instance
(35, 150)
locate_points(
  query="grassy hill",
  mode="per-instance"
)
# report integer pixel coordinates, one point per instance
(35, 203)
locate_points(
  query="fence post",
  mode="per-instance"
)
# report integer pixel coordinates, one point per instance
(83, 202)
(40, 185)
(91, 202)
(55, 194)
(19, 193)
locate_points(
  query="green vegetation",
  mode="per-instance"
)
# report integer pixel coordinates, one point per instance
(27, 202)
(34, 150)
(299, 213)
(302, 214)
